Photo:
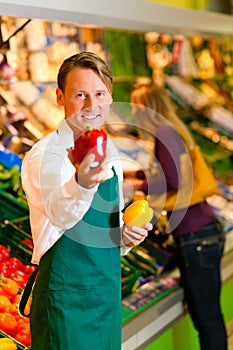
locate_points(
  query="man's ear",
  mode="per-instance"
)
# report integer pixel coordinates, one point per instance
(60, 97)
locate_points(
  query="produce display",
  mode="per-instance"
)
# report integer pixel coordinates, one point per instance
(12, 324)
(10, 180)
(12, 267)
(90, 141)
(139, 258)
(129, 277)
(15, 268)
(14, 274)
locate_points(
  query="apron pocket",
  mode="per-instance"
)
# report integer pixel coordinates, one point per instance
(74, 320)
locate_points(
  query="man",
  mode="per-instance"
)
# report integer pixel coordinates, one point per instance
(76, 221)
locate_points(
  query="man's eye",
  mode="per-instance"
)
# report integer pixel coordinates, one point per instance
(100, 93)
(80, 95)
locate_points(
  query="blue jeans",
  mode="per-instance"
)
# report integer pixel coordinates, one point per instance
(199, 257)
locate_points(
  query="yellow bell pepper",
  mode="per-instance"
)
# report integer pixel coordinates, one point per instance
(138, 213)
(7, 344)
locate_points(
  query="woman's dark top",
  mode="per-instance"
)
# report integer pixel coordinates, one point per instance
(168, 147)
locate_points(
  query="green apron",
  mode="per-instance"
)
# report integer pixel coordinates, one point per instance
(77, 294)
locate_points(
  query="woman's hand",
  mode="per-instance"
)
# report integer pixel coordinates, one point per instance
(133, 236)
(86, 175)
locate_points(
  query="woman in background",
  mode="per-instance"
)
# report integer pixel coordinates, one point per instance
(195, 228)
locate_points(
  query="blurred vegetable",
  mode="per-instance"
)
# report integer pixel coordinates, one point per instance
(4, 253)
(7, 344)
(91, 141)
(138, 213)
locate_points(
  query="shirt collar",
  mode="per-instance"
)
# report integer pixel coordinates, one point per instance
(65, 135)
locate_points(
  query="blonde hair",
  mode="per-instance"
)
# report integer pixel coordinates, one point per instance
(153, 107)
(85, 60)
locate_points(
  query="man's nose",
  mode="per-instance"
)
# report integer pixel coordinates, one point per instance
(90, 102)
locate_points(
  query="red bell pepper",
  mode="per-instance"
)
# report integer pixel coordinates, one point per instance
(90, 141)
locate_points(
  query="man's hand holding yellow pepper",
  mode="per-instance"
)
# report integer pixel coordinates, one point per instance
(137, 219)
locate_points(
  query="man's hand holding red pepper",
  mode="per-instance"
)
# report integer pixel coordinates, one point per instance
(86, 175)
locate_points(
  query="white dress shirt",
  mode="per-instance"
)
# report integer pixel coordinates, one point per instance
(56, 201)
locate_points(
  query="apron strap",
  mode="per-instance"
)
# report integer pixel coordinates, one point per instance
(27, 292)
(114, 171)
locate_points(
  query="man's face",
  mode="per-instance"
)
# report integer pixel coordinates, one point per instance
(86, 99)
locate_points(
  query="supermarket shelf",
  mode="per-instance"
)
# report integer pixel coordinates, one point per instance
(136, 15)
(148, 326)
